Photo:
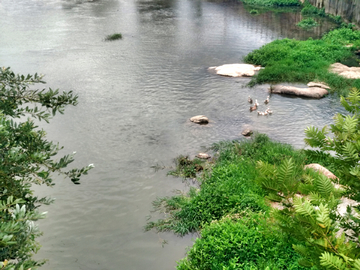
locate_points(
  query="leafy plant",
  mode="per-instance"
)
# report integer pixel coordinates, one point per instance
(307, 23)
(27, 158)
(242, 241)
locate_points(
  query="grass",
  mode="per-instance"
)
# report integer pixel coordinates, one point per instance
(112, 37)
(307, 23)
(229, 209)
(228, 187)
(290, 60)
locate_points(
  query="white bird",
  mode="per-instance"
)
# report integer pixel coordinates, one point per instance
(269, 111)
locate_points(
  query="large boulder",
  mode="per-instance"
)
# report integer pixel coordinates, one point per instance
(235, 70)
(200, 119)
(311, 92)
(345, 71)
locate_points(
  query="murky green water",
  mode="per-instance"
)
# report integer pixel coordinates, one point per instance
(136, 96)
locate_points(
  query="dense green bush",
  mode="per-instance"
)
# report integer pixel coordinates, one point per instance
(244, 241)
(229, 187)
(307, 23)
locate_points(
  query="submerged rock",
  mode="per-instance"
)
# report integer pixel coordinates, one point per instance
(200, 119)
(235, 70)
(203, 156)
(312, 92)
(247, 132)
(345, 71)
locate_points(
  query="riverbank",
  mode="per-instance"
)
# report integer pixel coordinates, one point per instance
(290, 60)
(231, 210)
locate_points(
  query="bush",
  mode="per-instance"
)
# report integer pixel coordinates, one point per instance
(243, 241)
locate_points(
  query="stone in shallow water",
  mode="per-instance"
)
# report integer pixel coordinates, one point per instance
(312, 92)
(203, 156)
(247, 132)
(235, 70)
(199, 119)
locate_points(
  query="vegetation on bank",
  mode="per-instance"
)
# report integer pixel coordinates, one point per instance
(26, 159)
(273, 3)
(231, 208)
(290, 60)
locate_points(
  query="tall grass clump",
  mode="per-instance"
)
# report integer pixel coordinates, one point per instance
(290, 60)
(244, 241)
(229, 188)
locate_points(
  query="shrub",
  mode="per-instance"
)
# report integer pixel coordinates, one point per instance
(243, 241)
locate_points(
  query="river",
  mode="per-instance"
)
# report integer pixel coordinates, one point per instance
(136, 96)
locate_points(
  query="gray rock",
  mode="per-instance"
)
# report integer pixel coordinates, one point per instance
(247, 132)
(312, 92)
(200, 119)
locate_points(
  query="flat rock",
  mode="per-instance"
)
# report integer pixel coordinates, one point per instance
(235, 70)
(200, 119)
(322, 170)
(247, 132)
(318, 84)
(311, 92)
(203, 156)
(345, 71)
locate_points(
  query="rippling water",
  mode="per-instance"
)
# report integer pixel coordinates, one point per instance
(136, 96)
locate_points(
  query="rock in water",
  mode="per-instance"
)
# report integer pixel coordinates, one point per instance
(312, 92)
(203, 156)
(200, 119)
(235, 70)
(247, 132)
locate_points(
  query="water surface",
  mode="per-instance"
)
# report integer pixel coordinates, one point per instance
(135, 98)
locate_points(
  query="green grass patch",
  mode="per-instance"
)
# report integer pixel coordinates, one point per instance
(187, 168)
(307, 23)
(229, 187)
(245, 241)
(290, 60)
(112, 37)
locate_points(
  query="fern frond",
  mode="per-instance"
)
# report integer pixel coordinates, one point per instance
(356, 264)
(323, 216)
(323, 185)
(315, 137)
(330, 261)
(285, 170)
(304, 208)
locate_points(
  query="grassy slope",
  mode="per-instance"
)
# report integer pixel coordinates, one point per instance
(290, 60)
(231, 212)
